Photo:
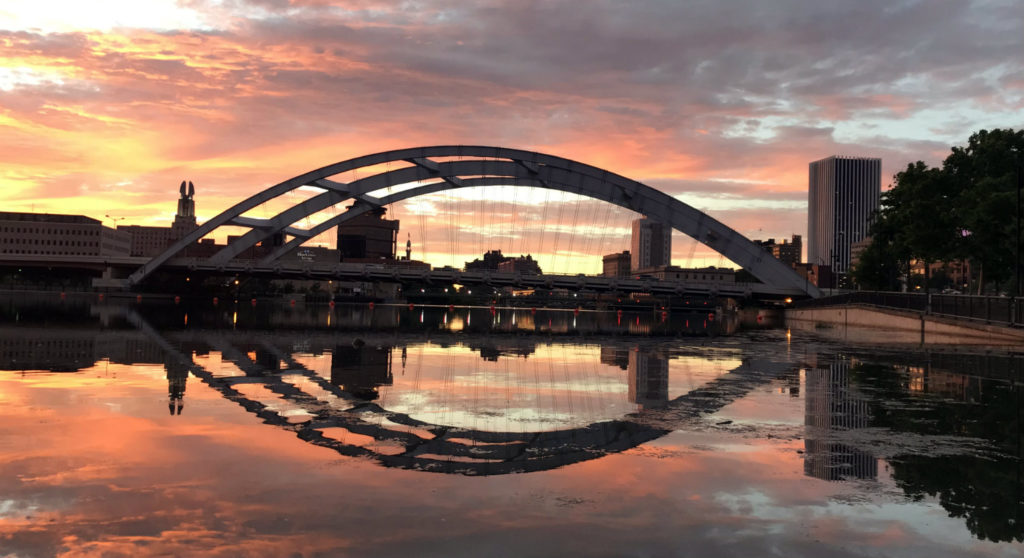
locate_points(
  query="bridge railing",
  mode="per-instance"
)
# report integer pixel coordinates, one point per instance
(990, 309)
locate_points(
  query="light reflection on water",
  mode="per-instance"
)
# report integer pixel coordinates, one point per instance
(135, 439)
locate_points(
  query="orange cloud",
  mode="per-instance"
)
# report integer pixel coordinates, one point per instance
(108, 122)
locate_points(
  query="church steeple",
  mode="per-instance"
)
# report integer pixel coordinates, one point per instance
(408, 247)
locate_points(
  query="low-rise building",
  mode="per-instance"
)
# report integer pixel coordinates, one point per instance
(51, 234)
(524, 265)
(616, 265)
(709, 274)
(789, 253)
(368, 237)
(856, 249)
(148, 241)
(815, 274)
(151, 241)
(490, 261)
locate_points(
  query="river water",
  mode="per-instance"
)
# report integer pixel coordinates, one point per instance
(271, 430)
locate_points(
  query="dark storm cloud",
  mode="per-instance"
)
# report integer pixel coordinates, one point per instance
(758, 48)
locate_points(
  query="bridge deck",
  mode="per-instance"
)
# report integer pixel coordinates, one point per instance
(384, 274)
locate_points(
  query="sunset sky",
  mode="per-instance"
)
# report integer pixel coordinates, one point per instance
(106, 106)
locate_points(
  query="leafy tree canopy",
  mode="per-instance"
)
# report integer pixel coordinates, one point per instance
(965, 209)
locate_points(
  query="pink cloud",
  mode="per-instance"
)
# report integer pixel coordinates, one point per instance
(669, 94)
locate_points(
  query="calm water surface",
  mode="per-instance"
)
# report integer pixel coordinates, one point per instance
(192, 430)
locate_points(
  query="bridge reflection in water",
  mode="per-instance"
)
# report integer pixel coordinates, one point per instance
(344, 411)
(525, 423)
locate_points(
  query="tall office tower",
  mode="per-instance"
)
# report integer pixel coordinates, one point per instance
(842, 195)
(651, 246)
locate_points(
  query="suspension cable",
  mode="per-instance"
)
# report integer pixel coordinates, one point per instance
(558, 230)
(526, 228)
(543, 223)
(572, 232)
(512, 222)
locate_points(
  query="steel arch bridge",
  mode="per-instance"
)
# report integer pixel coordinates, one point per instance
(464, 167)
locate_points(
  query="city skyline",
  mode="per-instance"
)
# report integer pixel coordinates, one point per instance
(722, 107)
(511, 278)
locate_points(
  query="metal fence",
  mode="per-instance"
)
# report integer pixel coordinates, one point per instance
(992, 309)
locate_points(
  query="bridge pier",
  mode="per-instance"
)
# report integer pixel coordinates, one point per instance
(113, 278)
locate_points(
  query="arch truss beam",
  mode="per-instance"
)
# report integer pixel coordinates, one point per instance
(462, 167)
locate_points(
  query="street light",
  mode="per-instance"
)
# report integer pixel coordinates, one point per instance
(115, 220)
(1020, 185)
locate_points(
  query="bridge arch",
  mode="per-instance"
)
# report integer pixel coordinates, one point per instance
(473, 166)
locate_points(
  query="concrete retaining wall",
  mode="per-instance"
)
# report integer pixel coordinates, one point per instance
(932, 329)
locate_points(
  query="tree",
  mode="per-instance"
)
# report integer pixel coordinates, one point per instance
(914, 223)
(884, 261)
(984, 174)
(964, 210)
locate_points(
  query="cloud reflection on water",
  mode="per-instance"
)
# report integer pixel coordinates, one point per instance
(92, 463)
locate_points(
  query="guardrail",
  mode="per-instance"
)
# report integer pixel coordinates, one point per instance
(990, 309)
